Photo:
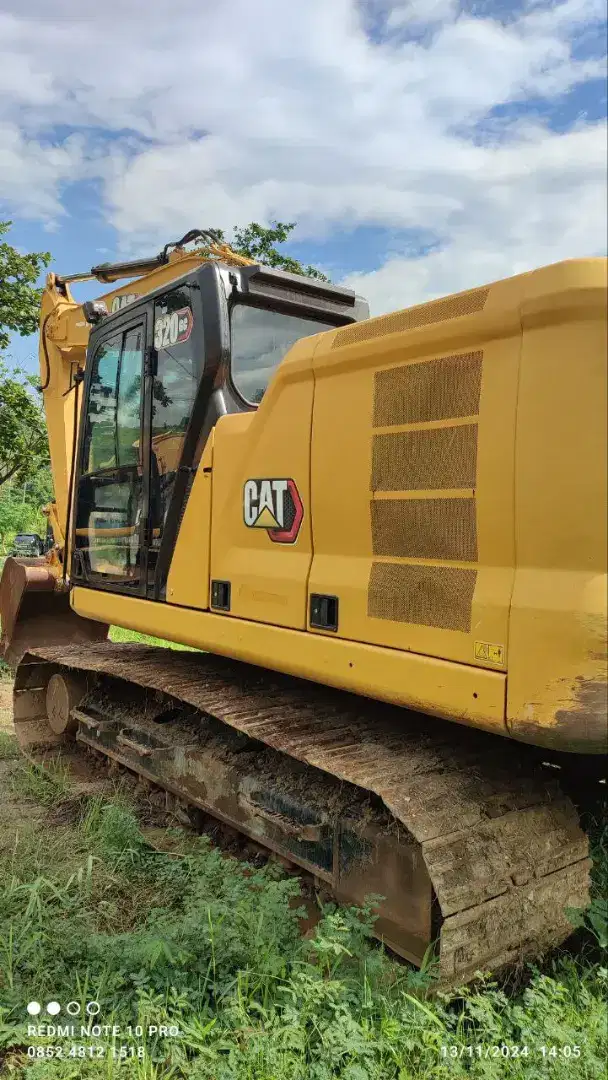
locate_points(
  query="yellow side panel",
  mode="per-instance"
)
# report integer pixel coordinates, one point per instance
(557, 668)
(412, 476)
(456, 691)
(268, 580)
(188, 579)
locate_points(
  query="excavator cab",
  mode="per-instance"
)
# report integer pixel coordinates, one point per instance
(160, 372)
(160, 367)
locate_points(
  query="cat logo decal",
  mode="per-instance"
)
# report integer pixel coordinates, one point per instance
(274, 505)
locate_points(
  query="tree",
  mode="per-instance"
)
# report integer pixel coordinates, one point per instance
(23, 440)
(19, 296)
(258, 243)
(23, 437)
(20, 507)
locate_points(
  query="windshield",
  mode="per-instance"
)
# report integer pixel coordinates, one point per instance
(260, 340)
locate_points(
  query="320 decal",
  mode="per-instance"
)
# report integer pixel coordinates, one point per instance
(173, 328)
(274, 505)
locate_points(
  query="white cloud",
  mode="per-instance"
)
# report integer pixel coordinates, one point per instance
(226, 113)
(406, 13)
(31, 174)
(530, 206)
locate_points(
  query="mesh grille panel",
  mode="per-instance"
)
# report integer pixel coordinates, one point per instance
(424, 315)
(434, 390)
(425, 528)
(425, 459)
(438, 596)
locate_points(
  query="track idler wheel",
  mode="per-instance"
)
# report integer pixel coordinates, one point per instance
(43, 700)
(63, 693)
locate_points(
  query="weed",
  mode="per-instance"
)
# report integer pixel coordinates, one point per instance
(211, 946)
(46, 785)
(118, 633)
(595, 918)
(9, 750)
(114, 831)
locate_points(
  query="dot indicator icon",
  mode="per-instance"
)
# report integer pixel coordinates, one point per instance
(73, 1007)
(53, 1008)
(34, 1008)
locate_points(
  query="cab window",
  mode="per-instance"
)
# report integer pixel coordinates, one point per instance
(173, 395)
(260, 340)
(113, 415)
(110, 498)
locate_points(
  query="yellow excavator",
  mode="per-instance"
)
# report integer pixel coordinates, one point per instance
(384, 541)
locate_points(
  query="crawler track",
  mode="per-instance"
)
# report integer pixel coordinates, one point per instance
(464, 834)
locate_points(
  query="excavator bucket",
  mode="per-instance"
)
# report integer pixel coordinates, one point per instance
(35, 611)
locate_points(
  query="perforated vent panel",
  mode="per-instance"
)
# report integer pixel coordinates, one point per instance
(437, 311)
(438, 596)
(425, 528)
(435, 390)
(426, 459)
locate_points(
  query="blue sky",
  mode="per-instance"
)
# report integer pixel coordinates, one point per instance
(423, 146)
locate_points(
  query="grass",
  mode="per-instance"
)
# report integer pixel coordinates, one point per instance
(8, 747)
(117, 633)
(45, 786)
(210, 948)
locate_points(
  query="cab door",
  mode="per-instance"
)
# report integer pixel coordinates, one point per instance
(172, 424)
(144, 380)
(110, 505)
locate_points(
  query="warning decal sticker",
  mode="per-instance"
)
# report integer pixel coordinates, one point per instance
(492, 654)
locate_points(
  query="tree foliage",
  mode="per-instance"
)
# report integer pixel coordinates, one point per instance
(19, 296)
(257, 242)
(20, 506)
(23, 437)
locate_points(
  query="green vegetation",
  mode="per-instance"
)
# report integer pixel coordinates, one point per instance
(23, 437)
(257, 242)
(117, 633)
(46, 786)
(19, 294)
(25, 479)
(9, 751)
(23, 441)
(163, 929)
(20, 507)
